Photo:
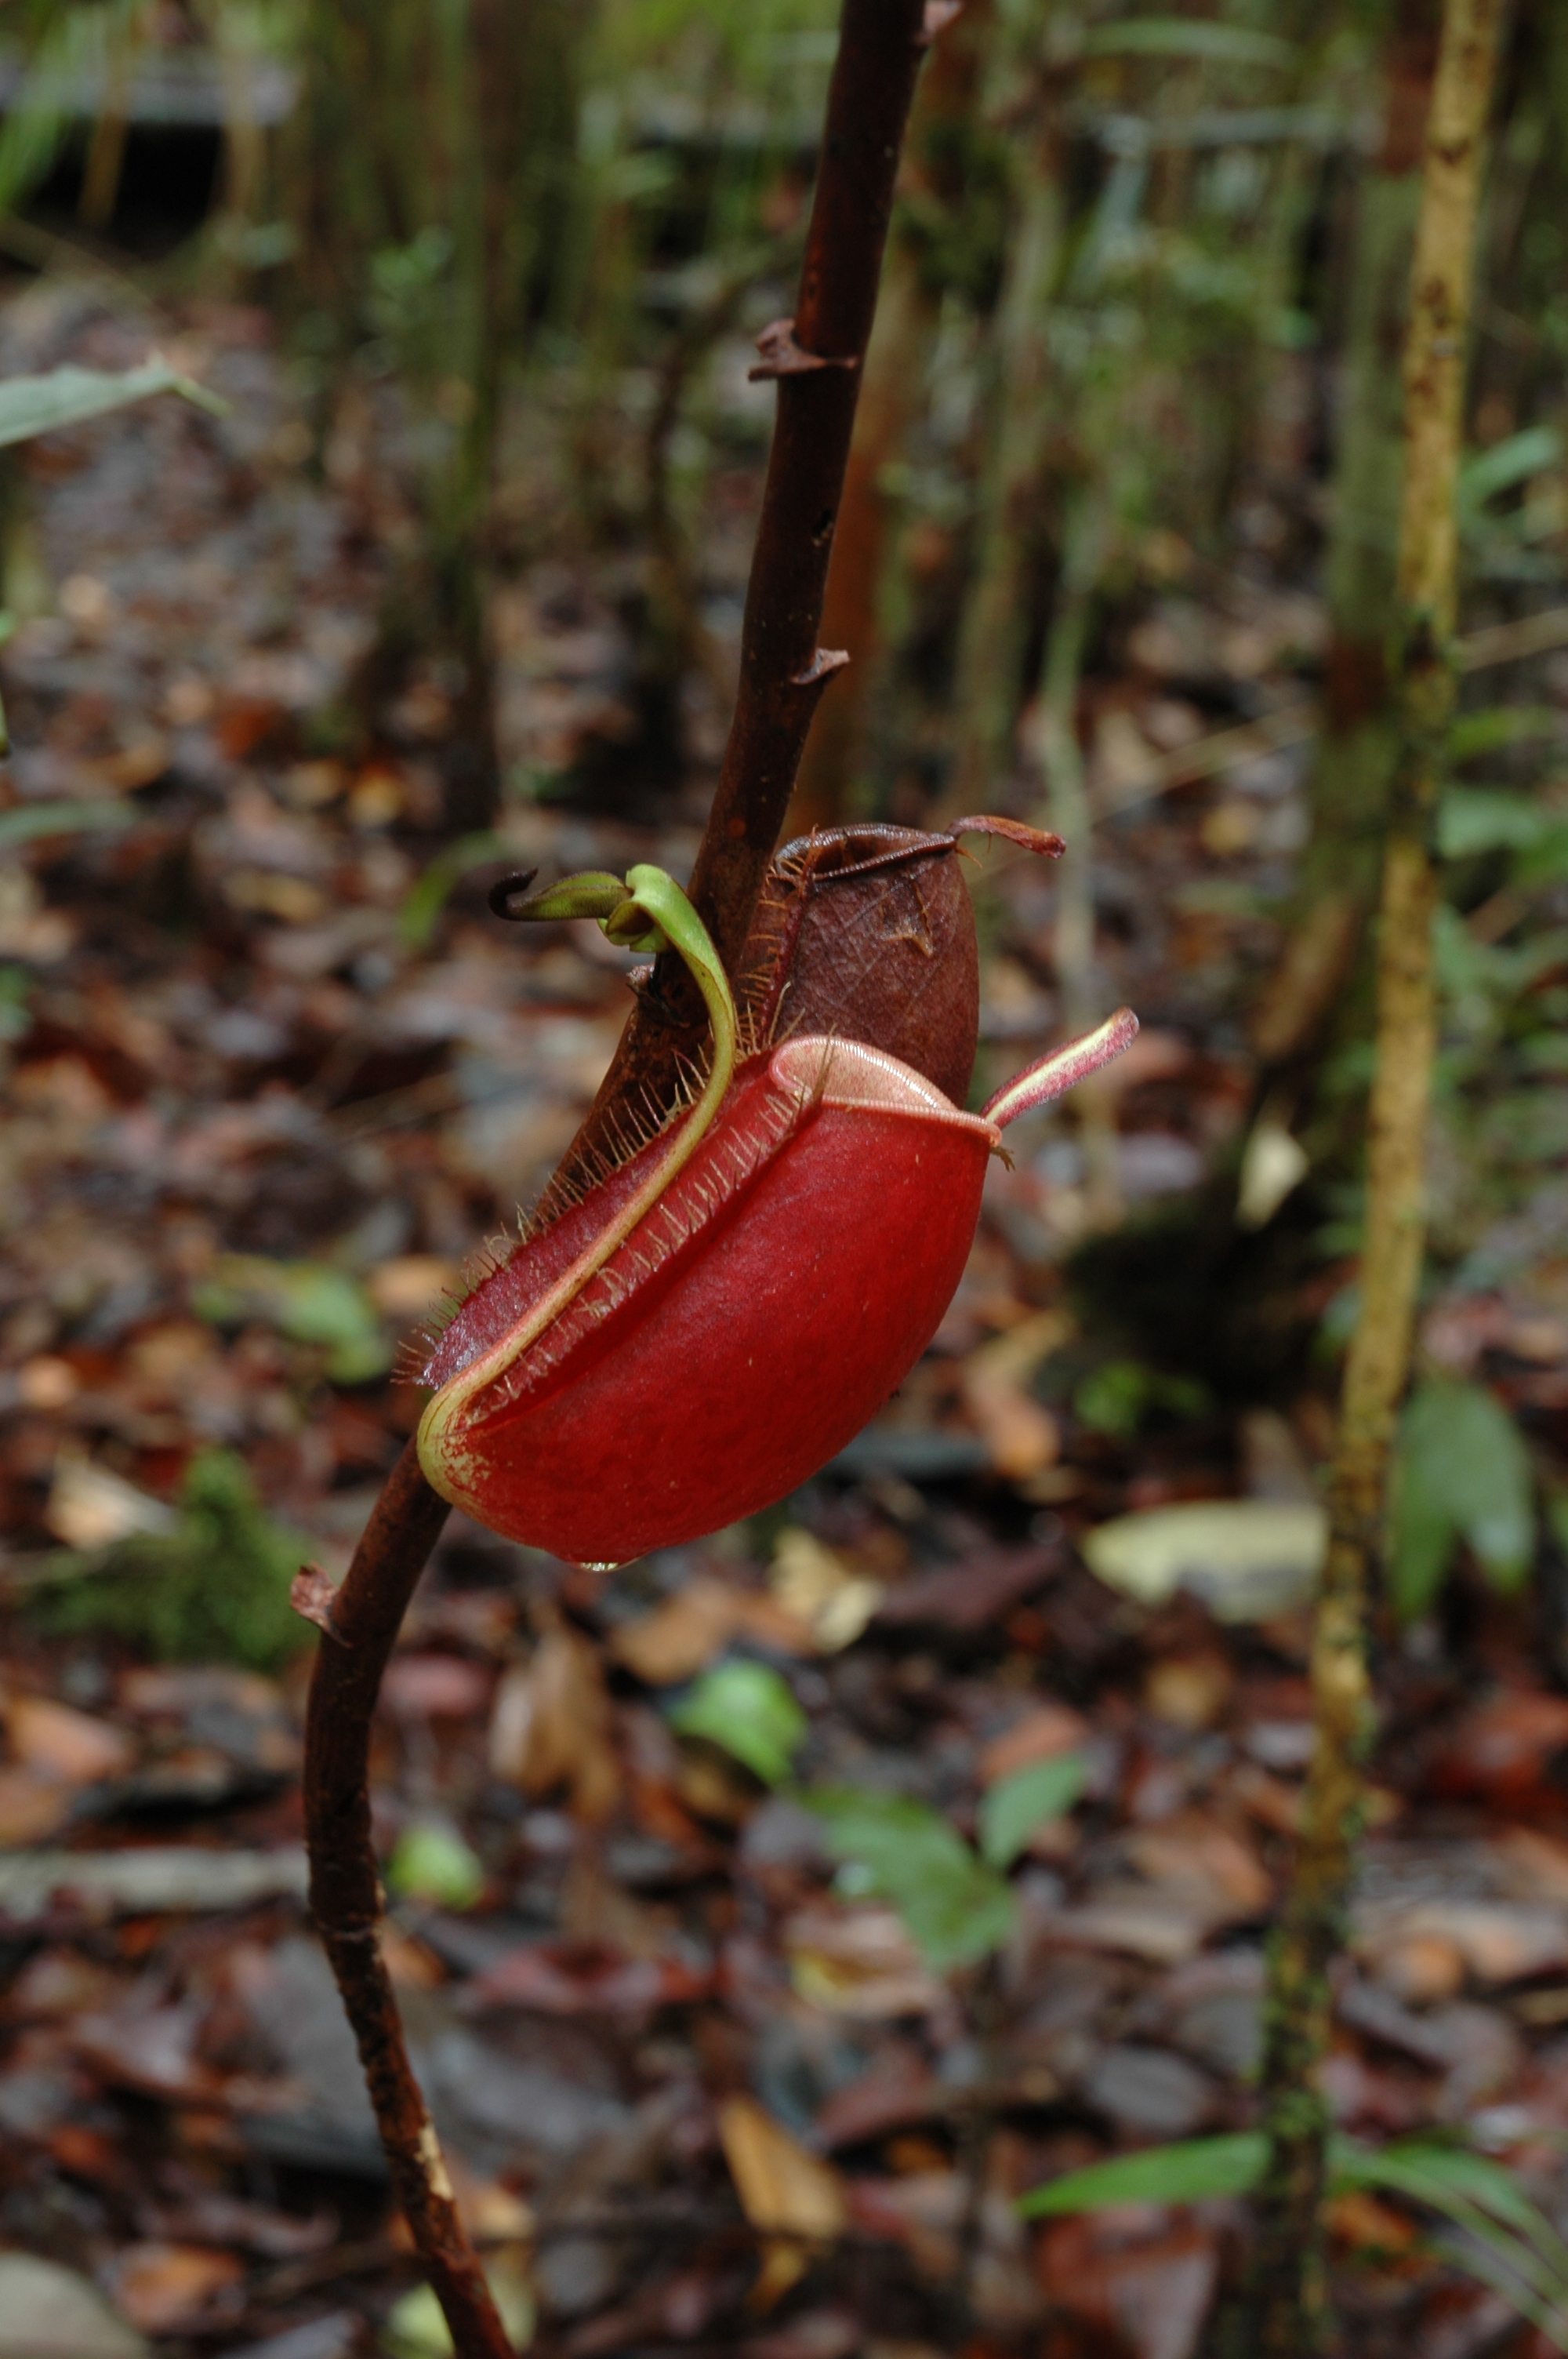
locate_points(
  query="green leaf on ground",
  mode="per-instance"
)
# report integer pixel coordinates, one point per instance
(1462, 1472)
(1017, 1805)
(1187, 37)
(63, 397)
(1187, 2172)
(957, 1907)
(1119, 1396)
(213, 1589)
(1484, 819)
(748, 1709)
(26, 821)
(430, 1861)
(1512, 460)
(1505, 2239)
(307, 1303)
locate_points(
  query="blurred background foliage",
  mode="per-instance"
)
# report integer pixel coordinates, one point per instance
(1136, 352)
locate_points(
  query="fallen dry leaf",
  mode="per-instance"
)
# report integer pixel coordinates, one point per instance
(1043, 1732)
(681, 1637)
(783, 2188)
(152, 2049)
(817, 1589)
(196, 1877)
(53, 1740)
(1536, 1864)
(1020, 1435)
(1138, 1918)
(583, 1978)
(551, 1725)
(858, 1962)
(47, 1382)
(31, 1808)
(676, 1640)
(435, 1686)
(1246, 1559)
(1150, 2291)
(1421, 1969)
(411, 1285)
(979, 1589)
(921, 2210)
(1503, 1750)
(1499, 1941)
(90, 1507)
(1217, 1870)
(165, 2288)
(1189, 1691)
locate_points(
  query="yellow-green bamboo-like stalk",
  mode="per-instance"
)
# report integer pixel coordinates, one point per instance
(1289, 2310)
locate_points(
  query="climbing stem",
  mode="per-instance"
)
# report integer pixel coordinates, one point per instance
(360, 1628)
(782, 676)
(819, 366)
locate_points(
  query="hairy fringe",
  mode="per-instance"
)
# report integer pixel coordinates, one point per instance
(630, 1128)
(487, 1257)
(695, 1198)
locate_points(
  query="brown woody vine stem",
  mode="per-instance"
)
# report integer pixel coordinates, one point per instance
(1291, 2317)
(359, 1631)
(782, 673)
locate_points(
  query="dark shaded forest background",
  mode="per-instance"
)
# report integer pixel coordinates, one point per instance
(768, 1914)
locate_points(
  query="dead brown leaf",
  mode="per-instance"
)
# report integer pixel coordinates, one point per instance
(826, 1599)
(783, 2188)
(1043, 1733)
(31, 1807)
(682, 1637)
(54, 1740)
(858, 1962)
(1020, 1433)
(551, 1725)
(1127, 2275)
(165, 2288)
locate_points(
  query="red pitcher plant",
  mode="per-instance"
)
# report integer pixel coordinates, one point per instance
(712, 1319)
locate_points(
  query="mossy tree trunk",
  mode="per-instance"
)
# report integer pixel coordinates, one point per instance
(1291, 2317)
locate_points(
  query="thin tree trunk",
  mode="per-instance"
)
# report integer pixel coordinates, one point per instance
(1355, 757)
(1292, 2317)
